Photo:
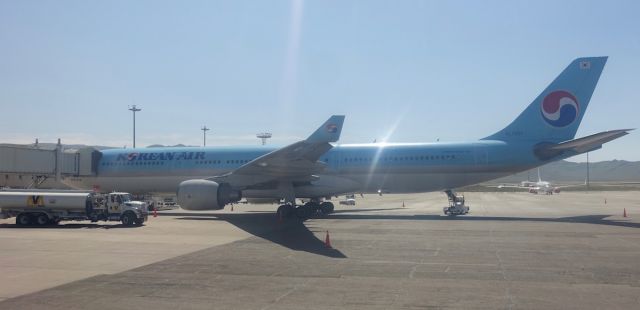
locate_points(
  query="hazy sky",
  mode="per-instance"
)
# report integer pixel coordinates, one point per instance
(405, 71)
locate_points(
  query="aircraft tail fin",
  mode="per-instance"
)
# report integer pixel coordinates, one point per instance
(329, 131)
(554, 116)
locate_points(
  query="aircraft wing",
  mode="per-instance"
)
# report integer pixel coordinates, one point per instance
(510, 186)
(295, 162)
(579, 146)
(513, 187)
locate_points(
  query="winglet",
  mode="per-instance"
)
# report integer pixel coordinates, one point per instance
(329, 131)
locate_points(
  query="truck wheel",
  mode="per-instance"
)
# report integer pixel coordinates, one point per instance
(139, 221)
(42, 219)
(128, 219)
(23, 219)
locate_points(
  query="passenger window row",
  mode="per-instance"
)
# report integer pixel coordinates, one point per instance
(217, 162)
(208, 162)
(401, 158)
(244, 161)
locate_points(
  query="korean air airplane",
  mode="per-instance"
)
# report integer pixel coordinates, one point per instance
(314, 169)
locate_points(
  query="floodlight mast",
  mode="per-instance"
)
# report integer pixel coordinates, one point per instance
(134, 110)
(264, 136)
(204, 134)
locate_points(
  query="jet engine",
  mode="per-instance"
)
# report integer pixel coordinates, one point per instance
(205, 195)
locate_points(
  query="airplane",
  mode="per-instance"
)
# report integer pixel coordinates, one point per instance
(315, 169)
(540, 186)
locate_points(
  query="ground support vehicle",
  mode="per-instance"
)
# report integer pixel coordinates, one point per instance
(456, 204)
(46, 207)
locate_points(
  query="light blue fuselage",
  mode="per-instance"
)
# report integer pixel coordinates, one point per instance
(552, 118)
(394, 168)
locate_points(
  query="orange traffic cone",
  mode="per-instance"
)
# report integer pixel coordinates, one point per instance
(155, 212)
(327, 241)
(624, 213)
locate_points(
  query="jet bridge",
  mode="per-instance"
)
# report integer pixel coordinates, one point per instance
(30, 166)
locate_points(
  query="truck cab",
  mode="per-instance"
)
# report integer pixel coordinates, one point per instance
(123, 206)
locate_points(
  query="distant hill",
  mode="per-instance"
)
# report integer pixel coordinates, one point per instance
(566, 171)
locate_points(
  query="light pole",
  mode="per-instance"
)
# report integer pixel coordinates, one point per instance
(134, 110)
(204, 134)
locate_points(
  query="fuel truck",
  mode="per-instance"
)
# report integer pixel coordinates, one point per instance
(49, 207)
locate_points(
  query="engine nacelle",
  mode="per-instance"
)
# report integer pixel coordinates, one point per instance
(205, 195)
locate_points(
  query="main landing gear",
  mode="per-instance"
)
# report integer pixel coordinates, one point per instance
(305, 211)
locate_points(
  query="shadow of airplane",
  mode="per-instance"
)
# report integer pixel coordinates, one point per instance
(289, 233)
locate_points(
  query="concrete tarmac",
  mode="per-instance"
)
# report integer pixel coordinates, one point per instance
(515, 250)
(32, 258)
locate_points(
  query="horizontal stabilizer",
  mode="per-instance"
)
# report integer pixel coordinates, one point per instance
(578, 146)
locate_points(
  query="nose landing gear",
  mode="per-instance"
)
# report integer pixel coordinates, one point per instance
(456, 204)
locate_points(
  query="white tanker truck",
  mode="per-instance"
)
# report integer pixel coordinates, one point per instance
(43, 207)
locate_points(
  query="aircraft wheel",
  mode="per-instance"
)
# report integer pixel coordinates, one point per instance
(312, 208)
(283, 211)
(290, 211)
(326, 207)
(303, 212)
